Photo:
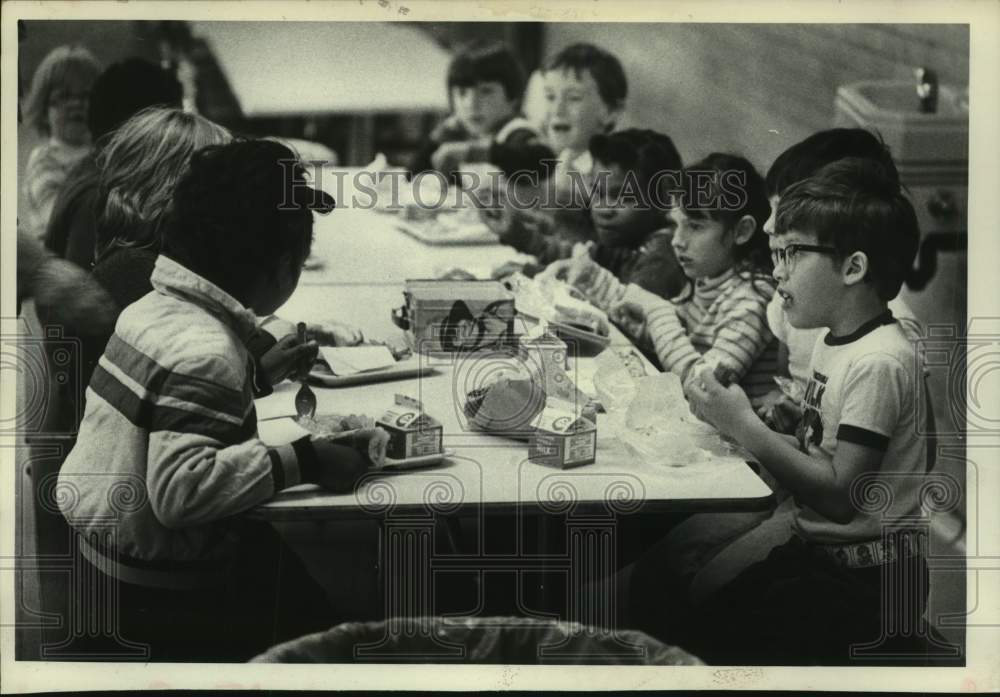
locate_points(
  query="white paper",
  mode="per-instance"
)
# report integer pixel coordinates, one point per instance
(350, 360)
(280, 431)
(279, 403)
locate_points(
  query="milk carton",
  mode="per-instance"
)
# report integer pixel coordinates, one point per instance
(563, 438)
(412, 433)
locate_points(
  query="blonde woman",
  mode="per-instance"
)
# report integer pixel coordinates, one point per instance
(56, 107)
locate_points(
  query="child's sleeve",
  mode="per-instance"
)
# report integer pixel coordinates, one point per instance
(204, 461)
(874, 393)
(44, 179)
(532, 232)
(739, 335)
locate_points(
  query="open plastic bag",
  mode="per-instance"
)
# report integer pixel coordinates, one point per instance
(649, 414)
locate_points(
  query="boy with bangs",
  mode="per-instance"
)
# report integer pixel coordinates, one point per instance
(842, 243)
(485, 85)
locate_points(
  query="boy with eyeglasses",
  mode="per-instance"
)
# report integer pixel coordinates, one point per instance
(843, 242)
(781, 409)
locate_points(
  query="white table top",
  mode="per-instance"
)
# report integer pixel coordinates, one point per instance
(301, 68)
(367, 263)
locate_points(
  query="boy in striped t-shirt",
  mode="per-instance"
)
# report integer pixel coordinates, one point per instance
(168, 456)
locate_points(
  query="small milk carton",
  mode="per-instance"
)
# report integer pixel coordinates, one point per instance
(412, 433)
(563, 438)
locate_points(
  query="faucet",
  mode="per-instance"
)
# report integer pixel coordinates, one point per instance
(927, 89)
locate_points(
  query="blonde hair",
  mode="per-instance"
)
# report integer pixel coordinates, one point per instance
(140, 165)
(63, 66)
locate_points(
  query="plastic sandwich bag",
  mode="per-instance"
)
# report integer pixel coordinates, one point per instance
(649, 414)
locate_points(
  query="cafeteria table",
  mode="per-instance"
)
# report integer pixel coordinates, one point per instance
(366, 261)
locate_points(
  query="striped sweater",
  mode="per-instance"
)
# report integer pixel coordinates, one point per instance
(724, 321)
(168, 448)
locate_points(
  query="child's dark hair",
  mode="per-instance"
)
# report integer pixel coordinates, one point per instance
(241, 210)
(855, 205)
(125, 89)
(725, 188)
(645, 152)
(487, 62)
(806, 157)
(606, 70)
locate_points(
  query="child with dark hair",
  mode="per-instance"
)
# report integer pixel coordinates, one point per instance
(585, 90)
(485, 86)
(719, 242)
(842, 243)
(628, 215)
(121, 91)
(170, 417)
(781, 408)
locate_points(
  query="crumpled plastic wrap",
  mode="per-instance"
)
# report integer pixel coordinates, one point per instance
(555, 301)
(649, 415)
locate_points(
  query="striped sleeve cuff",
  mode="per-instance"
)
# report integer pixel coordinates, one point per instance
(604, 289)
(862, 436)
(294, 464)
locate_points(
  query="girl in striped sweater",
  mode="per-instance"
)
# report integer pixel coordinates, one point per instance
(720, 319)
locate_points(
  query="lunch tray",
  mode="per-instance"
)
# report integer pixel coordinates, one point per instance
(410, 368)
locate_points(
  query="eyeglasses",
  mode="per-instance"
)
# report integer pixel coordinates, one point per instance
(786, 255)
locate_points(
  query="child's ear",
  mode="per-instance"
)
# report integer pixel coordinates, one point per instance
(744, 229)
(855, 268)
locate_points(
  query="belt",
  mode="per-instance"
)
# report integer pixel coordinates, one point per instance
(139, 573)
(863, 555)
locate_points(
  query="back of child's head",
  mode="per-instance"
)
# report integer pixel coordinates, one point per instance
(127, 87)
(140, 165)
(725, 188)
(487, 62)
(806, 157)
(643, 152)
(604, 67)
(68, 69)
(240, 212)
(856, 205)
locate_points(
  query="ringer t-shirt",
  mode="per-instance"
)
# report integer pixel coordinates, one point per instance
(863, 389)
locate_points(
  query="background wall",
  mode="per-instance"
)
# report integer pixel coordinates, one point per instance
(756, 89)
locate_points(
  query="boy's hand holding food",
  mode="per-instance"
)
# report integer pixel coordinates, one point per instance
(725, 407)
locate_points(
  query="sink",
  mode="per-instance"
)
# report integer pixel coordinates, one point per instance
(892, 109)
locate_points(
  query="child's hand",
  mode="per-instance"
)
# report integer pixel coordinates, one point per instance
(778, 411)
(497, 214)
(287, 358)
(450, 156)
(340, 466)
(630, 314)
(335, 334)
(630, 317)
(726, 408)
